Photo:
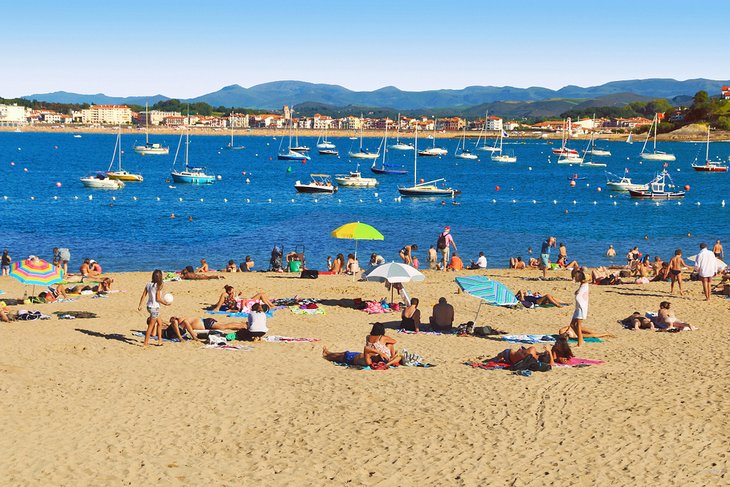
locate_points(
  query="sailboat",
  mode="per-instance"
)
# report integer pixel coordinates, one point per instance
(231, 145)
(433, 151)
(630, 138)
(427, 188)
(386, 168)
(120, 174)
(709, 166)
(296, 147)
(564, 149)
(591, 147)
(499, 155)
(398, 144)
(656, 155)
(363, 153)
(190, 175)
(483, 134)
(148, 148)
(461, 151)
(101, 180)
(324, 143)
(290, 154)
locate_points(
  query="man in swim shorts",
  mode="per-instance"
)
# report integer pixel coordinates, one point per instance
(545, 255)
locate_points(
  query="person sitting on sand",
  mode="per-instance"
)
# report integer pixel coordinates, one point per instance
(455, 264)
(442, 316)
(600, 276)
(86, 271)
(411, 316)
(227, 299)
(723, 287)
(663, 274)
(560, 352)
(188, 275)
(657, 265)
(95, 268)
(666, 318)
(637, 321)
(256, 325)
(481, 262)
(203, 266)
(562, 262)
(376, 260)
(338, 265)
(517, 263)
(353, 266)
(247, 264)
(380, 346)
(537, 298)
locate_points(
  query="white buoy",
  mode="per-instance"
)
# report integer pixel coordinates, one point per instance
(248, 181)
(158, 198)
(32, 197)
(698, 203)
(636, 203)
(269, 200)
(574, 202)
(555, 202)
(595, 202)
(614, 203)
(225, 200)
(292, 200)
(375, 194)
(55, 197)
(360, 200)
(494, 201)
(114, 198)
(91, 197)
(340, 201)
(679, 203)
(529, 168)
(248, 200)
(219, 177)
(514, 201)
(75, 197)
(134, 198)
(723, 203)
(534, 202)
(180, 200)
(316, 200)
(588, 185)
(379, 200)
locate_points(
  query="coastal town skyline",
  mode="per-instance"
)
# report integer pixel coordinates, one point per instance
(361, 47)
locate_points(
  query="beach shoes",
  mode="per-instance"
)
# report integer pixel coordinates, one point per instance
(217, 340)
(523, 373)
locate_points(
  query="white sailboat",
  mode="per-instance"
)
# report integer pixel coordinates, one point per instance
(630, 138)
(148, 148)
(591, 148)
(363, 153)
(498, 155)
(120, 174)
(324, 143)
(428, 188)
(190, 175)
(290, 154)
(709, 165)
(655, 155)
(231, 145)
(483, 134)
(461, 151)
(398, 144)
(564, 149)
(434, 151)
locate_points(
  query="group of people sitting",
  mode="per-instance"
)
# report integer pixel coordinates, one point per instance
(232, 301)
(182, 328)
(379, 350)
(351, 266)
(441, 319)
(665, 319)
(245, 266)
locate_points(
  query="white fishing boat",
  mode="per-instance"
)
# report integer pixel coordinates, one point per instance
(709, 166)
(120, 174)
(231, 145)
(499, 155)
(398, 144)
(149, 148)
(425, 188)
(655, 155)
(320, 183)
(434, 151)
(363, 153)
(658, 189)
(189, 175)
(461, 151)
(101, 181)
(354, 179)
(76, 136)
(483, 135)
(623, 183)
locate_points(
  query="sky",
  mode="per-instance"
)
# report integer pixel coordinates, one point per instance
(182, 48)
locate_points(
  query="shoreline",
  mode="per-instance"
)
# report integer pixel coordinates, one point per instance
(717, 136)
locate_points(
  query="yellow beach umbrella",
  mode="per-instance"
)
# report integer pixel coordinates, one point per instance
(357, 231)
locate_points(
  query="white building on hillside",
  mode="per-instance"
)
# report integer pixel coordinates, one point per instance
(12, 115)
(106, 115)
(156, 116)
(493, 123)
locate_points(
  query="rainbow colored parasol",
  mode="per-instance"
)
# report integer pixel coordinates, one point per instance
(36, 272)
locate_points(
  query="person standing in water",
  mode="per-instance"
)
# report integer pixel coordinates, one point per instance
(443, 244)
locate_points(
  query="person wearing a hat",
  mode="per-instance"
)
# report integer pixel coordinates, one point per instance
(443, 244)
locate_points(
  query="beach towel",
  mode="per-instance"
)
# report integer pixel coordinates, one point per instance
(532, 339)
(294, 301)
(283, 339)
(574, 362)
(580, 362)
(64, 315)
(305, 311)
(241, 314)
(453, 331)
(378, 367)
(154, 337)
(492, 292)
(234, 348)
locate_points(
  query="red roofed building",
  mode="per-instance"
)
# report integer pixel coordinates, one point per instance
(725, 92)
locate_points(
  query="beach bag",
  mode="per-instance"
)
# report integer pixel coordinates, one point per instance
(530, 363)
(441, 242)
(309, 274)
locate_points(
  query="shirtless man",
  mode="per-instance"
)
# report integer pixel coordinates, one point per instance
(192, 325)
(188, 275)
(717, 250)
(675, 271)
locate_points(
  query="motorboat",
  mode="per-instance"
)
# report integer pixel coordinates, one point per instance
(593, 164)
(101, 181)
(320, 183)
(354, 179)
(624, 184)
(658, 189)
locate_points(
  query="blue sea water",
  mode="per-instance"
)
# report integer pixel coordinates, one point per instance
(131, 229)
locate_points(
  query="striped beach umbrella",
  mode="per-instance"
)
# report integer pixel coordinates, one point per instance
(36, 272)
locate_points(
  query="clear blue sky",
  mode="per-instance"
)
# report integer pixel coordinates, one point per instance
(187, 48)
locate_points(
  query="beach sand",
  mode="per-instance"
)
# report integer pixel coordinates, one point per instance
(84, 404)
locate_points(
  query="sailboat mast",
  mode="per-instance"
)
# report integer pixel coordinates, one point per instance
(415, 158)
(147, 123)
(707, 150)
(119, 143)
(361, 123)
(230, 121)
(656, 128)
(187, 139)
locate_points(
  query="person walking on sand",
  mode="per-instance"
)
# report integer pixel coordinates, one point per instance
(581, 306)
(675, 271)
(443, 244)
(706, 267)
(152, 292)
(545, 255)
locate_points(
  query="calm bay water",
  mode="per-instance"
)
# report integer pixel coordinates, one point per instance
(131, 230)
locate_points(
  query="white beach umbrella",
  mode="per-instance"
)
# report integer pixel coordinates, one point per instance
(395, 272)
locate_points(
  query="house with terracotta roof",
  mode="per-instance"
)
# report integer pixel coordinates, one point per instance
(725, 93)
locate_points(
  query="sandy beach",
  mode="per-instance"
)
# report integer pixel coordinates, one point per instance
(84, 404)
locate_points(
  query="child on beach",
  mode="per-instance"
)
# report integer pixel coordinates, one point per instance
(675, 271)
(581, 306)
(152, 292)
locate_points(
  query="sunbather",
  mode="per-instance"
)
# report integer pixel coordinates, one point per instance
(666, 317)
(411, 316)
(569, 333)
(188, 275)
(560, 352)
(511, 357)
(230, 299)
(637, 321)
(517, 263)
(178, 326)
(537, 298)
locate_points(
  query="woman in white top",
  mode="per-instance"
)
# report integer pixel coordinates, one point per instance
(152, 292)
(256, 325)
(581, 305)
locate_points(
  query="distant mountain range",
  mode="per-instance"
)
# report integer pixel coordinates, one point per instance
(275, 94)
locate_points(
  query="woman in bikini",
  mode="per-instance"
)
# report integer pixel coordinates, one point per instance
(380, 346)
(411, 316)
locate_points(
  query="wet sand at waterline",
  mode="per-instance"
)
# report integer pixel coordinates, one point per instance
(84, 404)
